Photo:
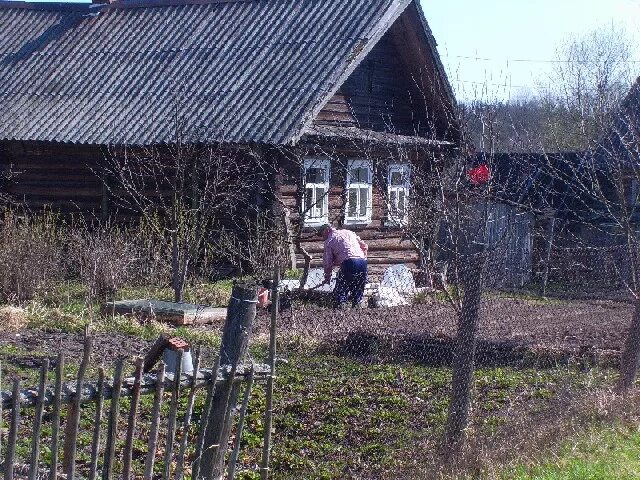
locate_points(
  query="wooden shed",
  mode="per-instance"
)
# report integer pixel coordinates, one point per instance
(345, 99)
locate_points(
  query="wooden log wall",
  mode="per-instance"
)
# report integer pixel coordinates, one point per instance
(388, 245)
(378, 95)
(62, 177)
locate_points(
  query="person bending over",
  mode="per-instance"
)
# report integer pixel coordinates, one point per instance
(344, 249)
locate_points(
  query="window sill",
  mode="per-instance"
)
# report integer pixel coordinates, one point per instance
(395, 223)
(357, 221)
(316, 222)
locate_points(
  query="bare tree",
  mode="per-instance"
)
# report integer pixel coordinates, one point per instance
(184, 191)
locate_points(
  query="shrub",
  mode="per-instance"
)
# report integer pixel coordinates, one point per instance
(30, 255)
(105, 259)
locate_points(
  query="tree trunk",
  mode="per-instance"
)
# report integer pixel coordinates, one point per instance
(463, 359)
(631, 353)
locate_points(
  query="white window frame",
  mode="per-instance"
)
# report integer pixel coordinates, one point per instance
(358, 218)
(315, 217)
(405, 171)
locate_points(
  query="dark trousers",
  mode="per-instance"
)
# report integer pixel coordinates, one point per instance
(351, 281)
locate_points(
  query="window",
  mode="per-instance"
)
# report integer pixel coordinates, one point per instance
(315, 204)
(398, 193)
(358, 192)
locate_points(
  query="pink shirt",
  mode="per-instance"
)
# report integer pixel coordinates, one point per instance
(340, 245)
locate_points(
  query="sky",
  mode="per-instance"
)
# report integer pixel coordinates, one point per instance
(500, 49)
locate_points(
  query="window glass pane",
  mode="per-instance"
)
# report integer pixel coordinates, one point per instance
(397, 178)
(401, 204)
(359, 174)
(320, 201)
(393, 202)
(352, 202)
(308, 201)
(315, 175)
(364, 201)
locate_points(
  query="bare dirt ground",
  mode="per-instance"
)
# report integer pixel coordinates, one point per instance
(567, 325)
(506, 324)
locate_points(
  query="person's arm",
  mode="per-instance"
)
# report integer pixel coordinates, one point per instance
(327, 261)
(363, 246)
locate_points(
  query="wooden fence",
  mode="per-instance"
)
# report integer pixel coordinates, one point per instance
(116, 438)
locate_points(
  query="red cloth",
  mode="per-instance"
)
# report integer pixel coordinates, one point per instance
(479, 175)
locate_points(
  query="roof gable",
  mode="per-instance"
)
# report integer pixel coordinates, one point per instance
(400, 87)
(236, 71)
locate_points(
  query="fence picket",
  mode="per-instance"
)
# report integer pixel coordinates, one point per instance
(173, 414)
(195, 472)
(187, 418)
(233, 459)
(155, 425)
(10, 458)
(73, 418)
(110, 447)
(37, 422)
(97, 427)
(131, 424)
(55, 427)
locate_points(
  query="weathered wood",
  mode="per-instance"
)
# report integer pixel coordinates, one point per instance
(235, 339)
(131, 423)
(219, 444)
(10, 457)
(155, 425)
(204, 421)
(155, 352)
(233, 458)
(147, 387)
(1, 417)
(37, 422)
(73, 416)
(97, 426)
(187, 419)
(55, 421)
(112, 429)
(173, 414)
(268, 416)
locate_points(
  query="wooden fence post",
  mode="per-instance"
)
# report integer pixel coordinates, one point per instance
(187, 419)
(73, 418)
(112, 428)
(131, 423)
(10, 457)
(55, 428)
(155, 425)
(173, 416)
(235, 341)
(268, 416)
(97, 427)
(37, 422)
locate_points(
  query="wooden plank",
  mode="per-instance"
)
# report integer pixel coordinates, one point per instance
(187, 419)
(173, 414)
(97, 426)
(131, 422)
(10, 457)
(34, 461)
(73, 416)
(112, 429)
(155, 425)
(55, 422)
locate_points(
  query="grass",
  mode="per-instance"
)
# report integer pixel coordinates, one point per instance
(338, 417)
(605, 453)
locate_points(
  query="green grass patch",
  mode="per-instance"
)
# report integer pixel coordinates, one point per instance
(606, 453)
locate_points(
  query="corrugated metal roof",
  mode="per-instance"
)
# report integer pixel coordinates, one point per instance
(235, 71)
